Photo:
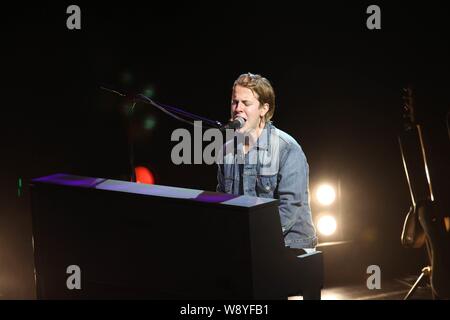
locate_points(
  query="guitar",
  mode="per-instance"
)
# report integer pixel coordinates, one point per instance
(424, 222)
(413, 235)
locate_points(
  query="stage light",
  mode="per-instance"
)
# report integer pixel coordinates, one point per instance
(326, 225)
(149, 123)
(19, 187)
(325, 194)
(149, 91)
(144, 175)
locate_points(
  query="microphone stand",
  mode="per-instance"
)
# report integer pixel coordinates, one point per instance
(131, 142)
(174, 112)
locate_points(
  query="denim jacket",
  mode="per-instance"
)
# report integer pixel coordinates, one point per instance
(275, 167)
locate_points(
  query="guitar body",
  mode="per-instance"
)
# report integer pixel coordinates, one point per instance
(413, 235)
(438, 238)
(424, 222)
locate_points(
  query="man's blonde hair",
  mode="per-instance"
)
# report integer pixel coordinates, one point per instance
(262, 88)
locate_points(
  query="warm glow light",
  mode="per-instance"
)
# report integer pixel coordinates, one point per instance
(325, 194)
(144, 175)
(326, 225)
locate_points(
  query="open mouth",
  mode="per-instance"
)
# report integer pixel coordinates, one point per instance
(239, 116)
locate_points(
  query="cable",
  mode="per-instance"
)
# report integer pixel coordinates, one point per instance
(174, 110)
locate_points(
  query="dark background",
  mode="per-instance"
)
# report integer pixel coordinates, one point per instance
(338, 85)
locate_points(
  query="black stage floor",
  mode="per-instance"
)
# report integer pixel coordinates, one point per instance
(392, 289)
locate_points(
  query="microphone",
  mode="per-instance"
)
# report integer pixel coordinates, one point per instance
(234, 124)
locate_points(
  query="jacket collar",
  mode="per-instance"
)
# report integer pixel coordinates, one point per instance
(263, 142)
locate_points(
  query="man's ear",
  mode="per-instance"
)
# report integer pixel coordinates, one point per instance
(264, 109)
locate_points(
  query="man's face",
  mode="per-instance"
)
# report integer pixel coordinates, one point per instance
(245, 104)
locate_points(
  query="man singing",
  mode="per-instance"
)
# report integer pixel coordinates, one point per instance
(268, 162)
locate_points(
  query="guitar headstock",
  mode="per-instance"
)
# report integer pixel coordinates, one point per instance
(409, 119)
